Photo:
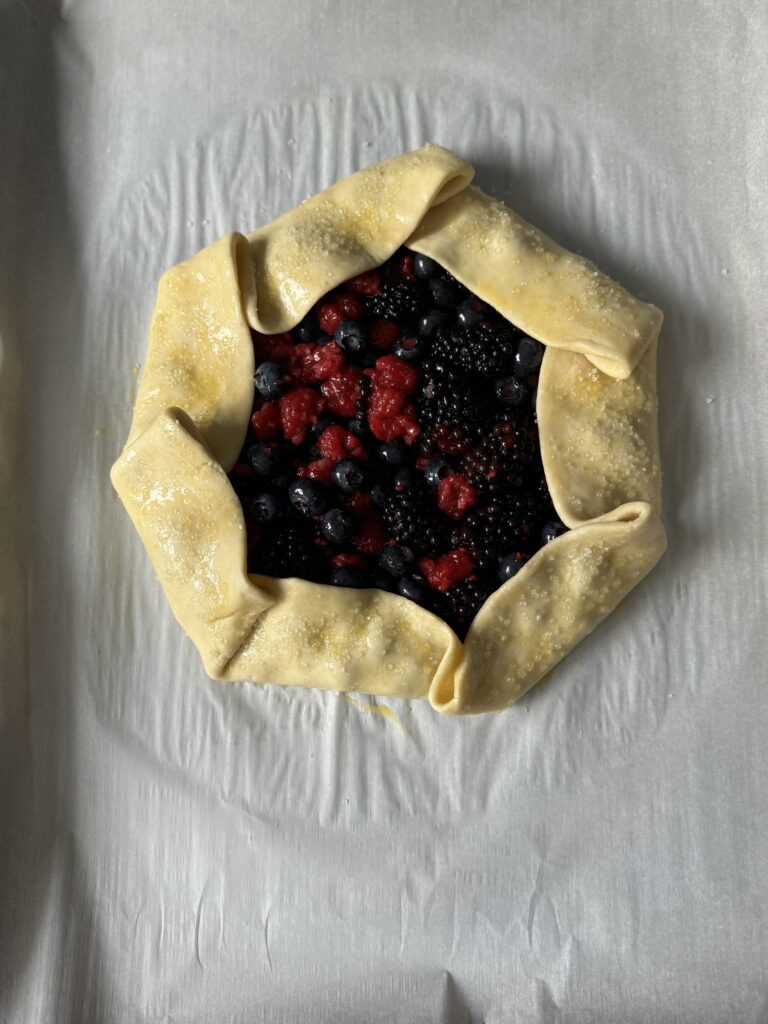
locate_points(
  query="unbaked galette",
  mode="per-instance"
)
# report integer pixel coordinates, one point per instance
(397, 441)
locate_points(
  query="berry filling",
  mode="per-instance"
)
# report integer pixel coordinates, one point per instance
(393, 443)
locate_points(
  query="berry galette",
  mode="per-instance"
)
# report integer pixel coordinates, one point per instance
(396, 441)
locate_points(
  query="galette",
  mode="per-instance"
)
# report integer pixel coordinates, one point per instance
(397, 441)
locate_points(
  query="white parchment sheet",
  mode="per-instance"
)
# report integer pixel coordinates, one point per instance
(182, 851)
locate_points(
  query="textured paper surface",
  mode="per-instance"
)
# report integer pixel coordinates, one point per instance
(177, 850)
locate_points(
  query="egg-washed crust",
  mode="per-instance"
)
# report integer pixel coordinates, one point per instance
(597, 417)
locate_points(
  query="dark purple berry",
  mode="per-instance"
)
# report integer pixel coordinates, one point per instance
(268, 380)
(349, 576)
(349, 475)
(308, 496)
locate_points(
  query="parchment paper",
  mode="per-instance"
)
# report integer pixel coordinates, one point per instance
(177, 850)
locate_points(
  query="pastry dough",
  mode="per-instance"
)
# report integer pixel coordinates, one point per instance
(597, 417)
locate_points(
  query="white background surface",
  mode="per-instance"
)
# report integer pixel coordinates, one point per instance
(177, 850)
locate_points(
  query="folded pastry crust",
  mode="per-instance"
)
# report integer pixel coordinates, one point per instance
(597, 417)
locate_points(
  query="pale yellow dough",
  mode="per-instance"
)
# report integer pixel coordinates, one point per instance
(597, 417)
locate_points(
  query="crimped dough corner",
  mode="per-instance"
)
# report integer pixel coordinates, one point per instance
(597, 417)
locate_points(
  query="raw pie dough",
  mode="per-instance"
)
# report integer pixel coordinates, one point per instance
(597, 416)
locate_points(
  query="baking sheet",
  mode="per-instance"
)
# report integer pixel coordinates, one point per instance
(177, 850)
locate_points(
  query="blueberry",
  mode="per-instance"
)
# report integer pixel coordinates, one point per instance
(378, 495)
(392, 453)
(381, 581)
(510, 391)
(349, 475)
(351, 336)
(409, 349)
(436, 469)
(528, 356)
(424, 267)
(337, 526)
(509, 567)
(266, 507)
(435, 318)
(471, 312)
(550, 531)
(405, 479)
(396, 560)
(268, 380)
(349, 576)
(263, 459)
(307, 330)
(444, 293)
(308, 496)
(412, 587)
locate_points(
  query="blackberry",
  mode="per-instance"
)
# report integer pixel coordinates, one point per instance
(483, 349)
(413, 519)
(403, 301)
(495, 466)
(460, 604)
(287, 548)
(446, 398)
(494, 530)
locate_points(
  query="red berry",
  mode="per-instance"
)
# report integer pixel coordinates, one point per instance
(301, 363)
(320, 470)
(328, 360)
(350, 306)
(266, 421)
(371, 535)
(404, 267)
(455, 495)
(359, 502)
(299, 409)
(343, 391)
(384, 334)
(347, 558)
(336, 443)
(273, 347)
(343, 306)
(368, 283)
(387, 428)
(395, 373)
(385, 402)
(453, 567)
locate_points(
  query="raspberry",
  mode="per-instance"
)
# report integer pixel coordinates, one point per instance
(347, 558)
(443, 572)
(395, 373)
(371, 537)
(320, 470)
(335, 443)
(359, 502)
(274, 347)
(301, 363)
(328, 361)
(455, 494)
(384, 334)
(368, 283)
(266, 421)
(299, 409)
(342, 391)
(404, 267)
(386, 402)
(343, 306)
